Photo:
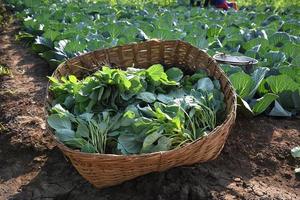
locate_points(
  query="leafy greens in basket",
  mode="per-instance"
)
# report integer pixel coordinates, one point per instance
(134, 111)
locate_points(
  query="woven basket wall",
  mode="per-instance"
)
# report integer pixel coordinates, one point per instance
(104, 170)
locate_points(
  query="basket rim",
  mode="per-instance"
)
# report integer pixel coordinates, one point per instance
(230, 116)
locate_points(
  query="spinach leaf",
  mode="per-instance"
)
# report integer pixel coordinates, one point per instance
(174, 74)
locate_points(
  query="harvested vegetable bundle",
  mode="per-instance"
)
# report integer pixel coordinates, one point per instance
(134, 111)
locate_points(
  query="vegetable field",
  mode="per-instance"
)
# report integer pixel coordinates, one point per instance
(138, 111)
(60, 30)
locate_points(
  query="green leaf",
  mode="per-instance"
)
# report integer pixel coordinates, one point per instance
(296, 61)
(290, 49)
(296, 152)
(58, 109)
(155, 72)
(115, 133)
(174, 74)
(164, 98)
(199, 42)
(281, 83)
(128, 118)
(205, 84)
(51, 34)
(129, 144)
(278, 39)
(254, 42)
(25, 37)
(82, 130)
(57, 122)
(72, 79)
(146, 111)
(65, 134)
(258, 76)
(293, 72)
(88, 148)
(42, 44)
(136, 85)
(275, 58)
(150, 139)
(242, 83)
(163, 144)
(75, 46)
(76, 142)
(263, 103)
(52, 55)
(147, 97)
(86, 116)
(179, 93)
(214, 30)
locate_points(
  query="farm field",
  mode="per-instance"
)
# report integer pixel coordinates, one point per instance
(255, 163)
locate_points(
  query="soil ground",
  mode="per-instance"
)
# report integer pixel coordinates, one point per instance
(255, 163)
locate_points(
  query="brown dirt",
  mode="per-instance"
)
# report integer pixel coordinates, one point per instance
(255, 163)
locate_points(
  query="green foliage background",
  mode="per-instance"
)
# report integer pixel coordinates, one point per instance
(268, 31)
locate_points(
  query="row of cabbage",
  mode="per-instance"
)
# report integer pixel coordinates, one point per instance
(58, 30)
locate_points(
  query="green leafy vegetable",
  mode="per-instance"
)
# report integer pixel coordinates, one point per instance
(134, 111)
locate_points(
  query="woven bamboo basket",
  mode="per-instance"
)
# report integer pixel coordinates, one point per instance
(103, 170)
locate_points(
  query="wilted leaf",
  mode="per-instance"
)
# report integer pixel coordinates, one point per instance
(279, 111)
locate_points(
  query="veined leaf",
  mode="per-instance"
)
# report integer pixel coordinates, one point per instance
(257, 76)
(244, 108)
(254, 42)
(278, 39)
(242, 83)
(281, 83)
(263, 103)
(275, 58)
(155, 72)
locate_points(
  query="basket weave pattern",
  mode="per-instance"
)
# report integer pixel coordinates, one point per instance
(104, 170)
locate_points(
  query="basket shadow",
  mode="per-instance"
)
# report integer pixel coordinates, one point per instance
(17, 157)
(37, 72)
